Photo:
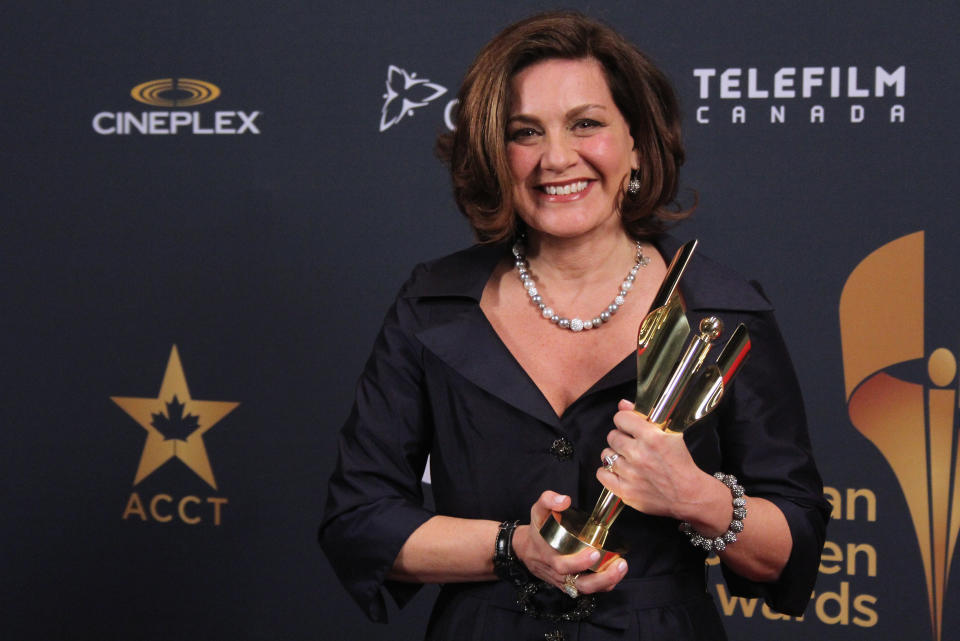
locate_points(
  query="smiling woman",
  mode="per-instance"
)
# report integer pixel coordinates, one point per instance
(565, 160)
(569, 149)
(476, 149)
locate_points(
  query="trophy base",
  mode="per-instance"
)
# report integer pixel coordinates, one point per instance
(562, 531)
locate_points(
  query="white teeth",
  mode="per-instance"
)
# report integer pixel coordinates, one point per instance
(565, 190)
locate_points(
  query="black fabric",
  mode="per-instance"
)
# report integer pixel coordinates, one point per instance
(674, 606)
(440, 382)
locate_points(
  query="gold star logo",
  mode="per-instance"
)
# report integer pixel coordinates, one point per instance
(175, 424)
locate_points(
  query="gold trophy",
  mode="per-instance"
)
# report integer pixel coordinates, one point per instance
(674, 390)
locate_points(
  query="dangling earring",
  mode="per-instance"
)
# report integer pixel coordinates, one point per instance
(633, 187)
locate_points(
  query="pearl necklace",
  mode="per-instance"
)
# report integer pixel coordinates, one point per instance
(574, 324)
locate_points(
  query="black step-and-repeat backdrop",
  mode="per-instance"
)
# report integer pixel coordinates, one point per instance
(207, 207)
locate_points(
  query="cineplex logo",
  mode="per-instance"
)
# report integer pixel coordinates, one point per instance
(175, 423)
(174, 94)
(912, 422)
(800, 94)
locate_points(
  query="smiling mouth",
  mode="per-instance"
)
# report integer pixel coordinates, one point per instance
(565, 190)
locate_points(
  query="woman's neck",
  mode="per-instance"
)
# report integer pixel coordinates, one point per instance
(577, 261)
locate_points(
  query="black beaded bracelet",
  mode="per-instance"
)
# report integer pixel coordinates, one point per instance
(509, 568)
(505, 564)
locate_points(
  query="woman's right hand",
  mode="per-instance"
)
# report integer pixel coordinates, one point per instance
(546, 563)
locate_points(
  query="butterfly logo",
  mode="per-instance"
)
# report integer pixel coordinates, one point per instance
(405, 92)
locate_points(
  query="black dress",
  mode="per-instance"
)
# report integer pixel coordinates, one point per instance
(440, 382)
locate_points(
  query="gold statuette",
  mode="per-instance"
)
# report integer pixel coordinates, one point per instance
(675, 389)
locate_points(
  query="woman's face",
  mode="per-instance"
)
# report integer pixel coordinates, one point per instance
(569, 148)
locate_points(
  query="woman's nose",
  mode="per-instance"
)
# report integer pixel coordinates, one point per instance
(558, 154)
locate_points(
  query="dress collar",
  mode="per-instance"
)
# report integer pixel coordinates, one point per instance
(705, 285)
(461, 336)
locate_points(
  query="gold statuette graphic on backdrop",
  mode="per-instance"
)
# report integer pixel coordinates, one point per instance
(675, 389)
(912, 424)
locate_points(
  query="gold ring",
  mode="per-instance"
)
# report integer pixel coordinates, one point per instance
(570, 586)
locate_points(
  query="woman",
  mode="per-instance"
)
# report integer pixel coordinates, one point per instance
(507, 363)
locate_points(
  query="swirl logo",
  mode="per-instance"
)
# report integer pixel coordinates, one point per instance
(175, 92)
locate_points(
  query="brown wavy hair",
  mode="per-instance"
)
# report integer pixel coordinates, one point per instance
(476, 152)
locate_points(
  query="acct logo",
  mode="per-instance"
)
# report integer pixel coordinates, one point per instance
(406, 93)
(173, 94)
(175, 423)
(800, 94)
(912, 422)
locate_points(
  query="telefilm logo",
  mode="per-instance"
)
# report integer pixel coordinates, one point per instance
(406, 93)
(173, 95)
(175, 423)
(812, 95)
(912, 422)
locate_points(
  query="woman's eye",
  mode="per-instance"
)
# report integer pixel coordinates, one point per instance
(586, 124)
(521, 134)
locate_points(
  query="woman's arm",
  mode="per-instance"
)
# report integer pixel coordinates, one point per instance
(448, 550)
(656, 475)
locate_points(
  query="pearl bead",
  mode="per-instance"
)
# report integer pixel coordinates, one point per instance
(564, 323)
(604, 316)
(537, 298)
(597, 321)
(626, 285)
(613, 308)
(554, 319)
(547, 312)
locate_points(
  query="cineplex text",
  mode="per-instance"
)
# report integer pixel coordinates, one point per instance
(166, 123)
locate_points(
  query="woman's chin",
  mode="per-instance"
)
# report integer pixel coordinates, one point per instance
(575, 229)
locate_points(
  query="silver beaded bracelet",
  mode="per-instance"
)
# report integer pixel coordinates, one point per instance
(736, 525)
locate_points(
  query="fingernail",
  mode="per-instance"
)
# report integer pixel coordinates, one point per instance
(622, 566)
(594, 556)
(559, 499)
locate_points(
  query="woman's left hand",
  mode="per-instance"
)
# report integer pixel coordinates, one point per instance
(653, 472)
